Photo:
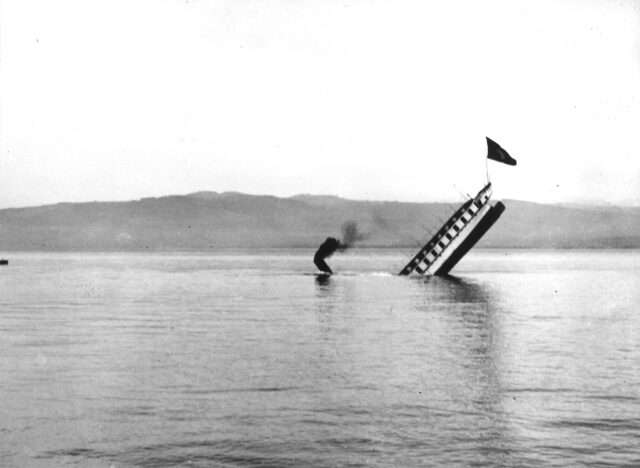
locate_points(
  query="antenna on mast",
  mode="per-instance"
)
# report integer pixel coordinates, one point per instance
(486, 160)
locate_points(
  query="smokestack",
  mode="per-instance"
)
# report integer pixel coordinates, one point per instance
(326, 250)
(350, 235)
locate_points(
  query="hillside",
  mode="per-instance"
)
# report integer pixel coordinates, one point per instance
(210, 220)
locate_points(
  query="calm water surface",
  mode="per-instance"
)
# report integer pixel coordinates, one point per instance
(248, 359)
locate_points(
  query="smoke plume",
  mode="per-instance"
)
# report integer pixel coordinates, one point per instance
(351, 234)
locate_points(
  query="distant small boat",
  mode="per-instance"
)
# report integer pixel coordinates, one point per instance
(4, 261)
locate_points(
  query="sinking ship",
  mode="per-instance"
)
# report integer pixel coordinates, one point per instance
(463, 229)
(457, 236)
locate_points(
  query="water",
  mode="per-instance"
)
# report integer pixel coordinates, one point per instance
(247, 359)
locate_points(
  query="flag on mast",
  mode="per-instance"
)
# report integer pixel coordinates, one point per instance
(497, 153)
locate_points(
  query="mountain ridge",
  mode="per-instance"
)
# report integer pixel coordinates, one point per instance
(210, 220)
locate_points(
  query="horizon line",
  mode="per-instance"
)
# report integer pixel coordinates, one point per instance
(569, 203)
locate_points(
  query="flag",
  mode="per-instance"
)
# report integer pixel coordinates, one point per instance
(497, 153)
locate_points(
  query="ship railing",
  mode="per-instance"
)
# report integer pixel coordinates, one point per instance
(460, 218)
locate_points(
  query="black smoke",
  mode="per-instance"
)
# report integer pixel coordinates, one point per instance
(350, 235)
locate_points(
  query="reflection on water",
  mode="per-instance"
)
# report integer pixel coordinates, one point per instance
(323, 281)
(165, 360)
(472, 330)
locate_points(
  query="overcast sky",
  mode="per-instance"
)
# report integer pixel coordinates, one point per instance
(117, 100)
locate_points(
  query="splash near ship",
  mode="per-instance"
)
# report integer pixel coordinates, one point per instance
(463, 229)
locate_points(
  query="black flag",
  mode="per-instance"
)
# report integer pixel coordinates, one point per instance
(497, 153)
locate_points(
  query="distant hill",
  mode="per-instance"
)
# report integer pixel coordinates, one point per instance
(210, 220)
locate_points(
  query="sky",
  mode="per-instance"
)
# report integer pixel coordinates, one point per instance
(381, 100)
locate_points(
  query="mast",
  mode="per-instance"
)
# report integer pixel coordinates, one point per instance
(463, 229)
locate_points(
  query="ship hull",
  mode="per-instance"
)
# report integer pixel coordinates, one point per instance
(472, 239)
